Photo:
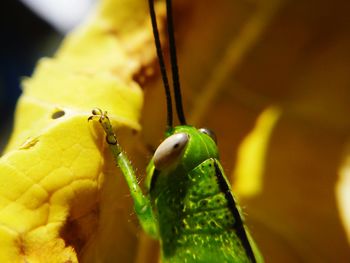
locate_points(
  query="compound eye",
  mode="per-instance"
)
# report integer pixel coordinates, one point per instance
(208, 132)
(169, 151)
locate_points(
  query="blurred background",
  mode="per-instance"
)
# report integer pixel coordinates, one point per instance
(25, 38)
(270, 77)
(30, 29)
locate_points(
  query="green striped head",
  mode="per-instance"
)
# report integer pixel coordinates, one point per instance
(185, 146)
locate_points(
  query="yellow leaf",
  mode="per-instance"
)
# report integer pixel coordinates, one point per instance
(252, 153)
(61, 197)
(342, 190)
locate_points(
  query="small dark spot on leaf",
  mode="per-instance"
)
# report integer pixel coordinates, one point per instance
(57, 114)
(20, 245)
(112, 31)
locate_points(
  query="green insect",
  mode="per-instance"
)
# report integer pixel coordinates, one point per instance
(189, 204)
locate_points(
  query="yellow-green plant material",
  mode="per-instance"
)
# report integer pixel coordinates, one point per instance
(58, 202)
(252, 152)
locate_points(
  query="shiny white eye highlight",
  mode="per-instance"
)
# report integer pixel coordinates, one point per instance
(209, 133)
(169, 150)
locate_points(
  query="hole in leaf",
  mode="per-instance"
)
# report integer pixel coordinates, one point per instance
(57, 114)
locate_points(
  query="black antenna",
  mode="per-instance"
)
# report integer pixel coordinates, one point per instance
(161, 64)
(174, 67)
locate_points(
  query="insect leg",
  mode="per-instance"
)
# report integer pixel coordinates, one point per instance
(142, 204)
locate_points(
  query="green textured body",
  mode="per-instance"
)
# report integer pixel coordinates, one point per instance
(190, 207)
(198, 220)
(195, 221)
